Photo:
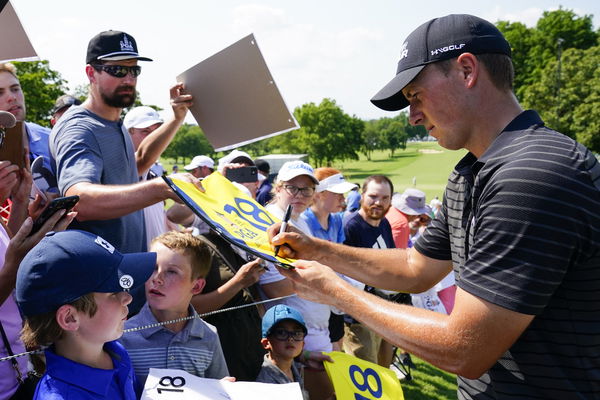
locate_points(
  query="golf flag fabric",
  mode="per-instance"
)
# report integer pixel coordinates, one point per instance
(356, 379)
(231, 213)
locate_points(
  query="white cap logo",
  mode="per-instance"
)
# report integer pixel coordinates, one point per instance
(126, 45)
(404, 50)
(102, 242)
(126, 281)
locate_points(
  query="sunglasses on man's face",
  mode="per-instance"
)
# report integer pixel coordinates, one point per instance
(119, 71)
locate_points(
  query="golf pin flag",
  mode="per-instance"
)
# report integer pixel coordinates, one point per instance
(358, 379)
(231, 213)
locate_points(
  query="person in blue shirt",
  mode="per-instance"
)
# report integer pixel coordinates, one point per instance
(324, 218)
(353, 199)
(72, 289)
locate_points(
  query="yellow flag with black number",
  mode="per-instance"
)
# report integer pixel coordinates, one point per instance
(356, 379)
(233, 214)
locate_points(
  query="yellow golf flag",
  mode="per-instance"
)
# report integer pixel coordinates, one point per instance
(231, 213)
(356, 379)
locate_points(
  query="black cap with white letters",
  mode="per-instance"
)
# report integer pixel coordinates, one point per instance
(112, 46)
(436, 40)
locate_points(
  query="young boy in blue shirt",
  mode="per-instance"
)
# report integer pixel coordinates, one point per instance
(72, 289)
(190, 345)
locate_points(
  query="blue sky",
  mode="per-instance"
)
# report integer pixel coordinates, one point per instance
(345, 50)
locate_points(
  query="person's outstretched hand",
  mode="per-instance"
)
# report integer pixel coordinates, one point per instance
(8, 179)
(186, 177)
(180, 101)
(315, 359)
(292, 243)
(22, 242)
(249, 273)
(313, 281)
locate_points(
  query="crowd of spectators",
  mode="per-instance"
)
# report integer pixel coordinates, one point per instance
(120, 260)
(95, 156)
(111, 164)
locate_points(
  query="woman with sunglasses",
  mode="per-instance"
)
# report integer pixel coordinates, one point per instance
(295, 185)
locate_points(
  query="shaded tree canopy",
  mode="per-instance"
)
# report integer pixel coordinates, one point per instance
(533, 48)
(556, 72)
(569, 100)
(327, 133)
(189, 142)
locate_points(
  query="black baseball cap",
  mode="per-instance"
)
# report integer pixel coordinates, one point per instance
(262, 165)
(436, 40)
(113, 46)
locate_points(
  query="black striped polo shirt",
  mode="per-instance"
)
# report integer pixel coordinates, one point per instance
(522, 228)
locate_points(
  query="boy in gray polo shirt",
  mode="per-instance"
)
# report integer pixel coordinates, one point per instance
(191, 345)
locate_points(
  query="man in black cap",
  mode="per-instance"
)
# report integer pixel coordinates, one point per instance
(519, 227)
(93, 152)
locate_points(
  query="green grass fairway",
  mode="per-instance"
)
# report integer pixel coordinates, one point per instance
(425, 162)
(429, 383)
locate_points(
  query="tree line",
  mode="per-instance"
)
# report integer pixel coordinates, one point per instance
(557, 73)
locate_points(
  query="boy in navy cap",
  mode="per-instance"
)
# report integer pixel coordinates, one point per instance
(72, 289)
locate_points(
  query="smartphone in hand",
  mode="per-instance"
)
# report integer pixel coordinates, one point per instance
(242, 174)
(60, 203)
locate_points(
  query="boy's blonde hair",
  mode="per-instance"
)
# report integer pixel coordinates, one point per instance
(43, 330)
(10, 68)
(191, 246)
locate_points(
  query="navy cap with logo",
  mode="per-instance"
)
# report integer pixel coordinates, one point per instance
(113, 46)
(64, 266)
(436, 40)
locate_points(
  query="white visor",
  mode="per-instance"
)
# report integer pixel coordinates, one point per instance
(336, 184)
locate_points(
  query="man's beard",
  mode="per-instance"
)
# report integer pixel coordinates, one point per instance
(375, 213)
(119, 100)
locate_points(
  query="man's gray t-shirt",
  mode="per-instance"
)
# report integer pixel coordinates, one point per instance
(87, 148)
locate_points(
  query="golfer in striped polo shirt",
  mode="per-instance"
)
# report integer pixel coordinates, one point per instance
(519, 226)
